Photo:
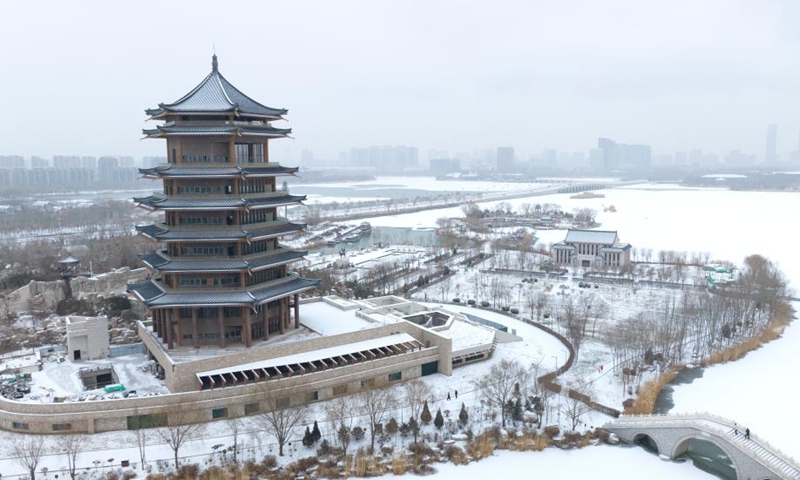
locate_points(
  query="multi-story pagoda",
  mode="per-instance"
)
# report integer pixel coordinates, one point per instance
(220, 275)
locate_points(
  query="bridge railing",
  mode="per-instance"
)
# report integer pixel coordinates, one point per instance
(687, 419)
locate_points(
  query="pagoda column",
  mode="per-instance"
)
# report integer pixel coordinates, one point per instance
(155, 322)
(265, 321)
(282, 311)
(221, 328)
(248, 334)
(195, 335)
(179, 327)
(296, 310)
(169, 329)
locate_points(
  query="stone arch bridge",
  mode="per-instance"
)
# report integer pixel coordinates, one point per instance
(753, 458)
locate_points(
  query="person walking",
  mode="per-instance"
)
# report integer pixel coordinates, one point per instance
(448, 395)
(735, 429)
(456, 394)
(747, 434)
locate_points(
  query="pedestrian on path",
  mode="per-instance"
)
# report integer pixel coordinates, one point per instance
(456, 394)
(448, 395)
(735, 429)
(747, 434)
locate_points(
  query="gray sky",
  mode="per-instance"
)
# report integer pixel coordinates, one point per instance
(449, 75)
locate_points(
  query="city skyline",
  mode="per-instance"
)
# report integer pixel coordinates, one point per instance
(451, 76)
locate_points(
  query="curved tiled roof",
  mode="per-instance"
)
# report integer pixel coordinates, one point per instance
(157, 232)
(207, 172)
(155, 202)
(216, 95)
(216, 129)
(159, 261)
(154, 295)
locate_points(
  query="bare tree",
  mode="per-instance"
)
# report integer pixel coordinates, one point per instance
(235, 427)
(416, 392)
(574, 408)
(27, 452)
(71, 444)
(281, 419)
(505, 380)
(179, 432)
(339, 412)
(375, 402)
(574, 319)
(142, 437)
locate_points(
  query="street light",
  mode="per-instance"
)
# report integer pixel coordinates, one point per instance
(555, 360)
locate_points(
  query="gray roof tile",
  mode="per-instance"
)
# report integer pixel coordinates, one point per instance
(216, 94)
(591, 236)
(158, 202)
(206, 172)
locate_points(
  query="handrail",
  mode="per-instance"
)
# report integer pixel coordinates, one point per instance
(686, 419)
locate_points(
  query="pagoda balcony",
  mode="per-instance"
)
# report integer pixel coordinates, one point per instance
(218, 202)
(160, 231)
(217, 196)
(160, 261)
(217, 170)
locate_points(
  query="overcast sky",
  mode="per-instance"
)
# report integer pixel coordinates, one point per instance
(447, 75)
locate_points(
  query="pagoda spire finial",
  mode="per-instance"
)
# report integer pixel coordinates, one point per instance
(214, 64)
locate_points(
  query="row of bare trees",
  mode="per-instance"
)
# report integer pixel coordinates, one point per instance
(702, 322)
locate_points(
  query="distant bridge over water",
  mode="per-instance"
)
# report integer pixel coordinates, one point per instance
(753, 458)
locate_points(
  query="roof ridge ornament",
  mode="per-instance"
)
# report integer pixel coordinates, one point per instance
(214, 64)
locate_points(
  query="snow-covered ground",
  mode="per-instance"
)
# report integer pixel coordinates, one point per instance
(756, 391)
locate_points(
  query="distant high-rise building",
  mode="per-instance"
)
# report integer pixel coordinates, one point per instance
(596, 159)
(393, 159)
(39, 162)
(771, 154)
(12, 161)
(735, 158)
(624, 156)
(306, 157)
(505, 160)
(610, 153)
(444, 166)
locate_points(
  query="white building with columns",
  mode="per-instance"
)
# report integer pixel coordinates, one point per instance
(592, 249)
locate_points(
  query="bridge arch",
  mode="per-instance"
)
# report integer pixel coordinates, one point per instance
(646, 441)
(682, 444)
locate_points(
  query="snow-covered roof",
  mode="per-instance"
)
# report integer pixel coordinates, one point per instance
(315, 355)
(591, 236)
(467, 335)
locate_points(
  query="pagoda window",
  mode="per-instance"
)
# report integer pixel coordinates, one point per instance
(200, 189)
(174, 158)
(249, 152)
(203, 251)
(257, 186)
(263, 276)
(254, 247)
(204, 220)
(192, 282)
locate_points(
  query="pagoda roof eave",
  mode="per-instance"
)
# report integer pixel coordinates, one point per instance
(215, 94)
(164, 203)
(170, 129)
(162, 113)
(162, 233)
(157, 261)
(217, 172)
(152, 295)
